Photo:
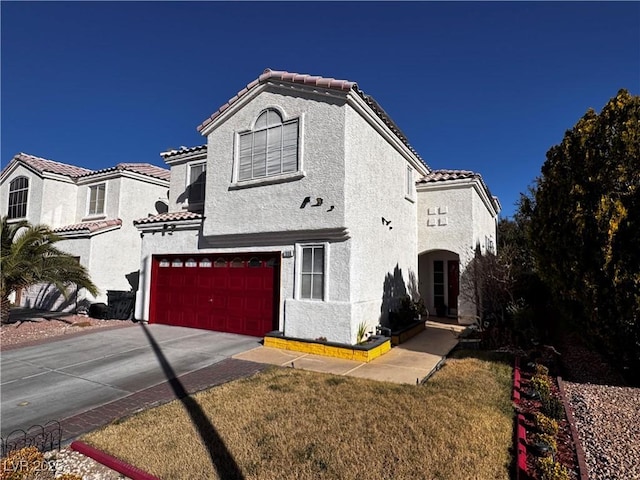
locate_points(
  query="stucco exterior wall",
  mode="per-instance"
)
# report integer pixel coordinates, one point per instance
(445, 219)
(383, 256)
(276, 207)
(58, 203)
(484, 223)
(452, 219)
(329, 318)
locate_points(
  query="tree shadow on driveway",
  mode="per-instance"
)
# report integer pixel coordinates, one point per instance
(221, 457)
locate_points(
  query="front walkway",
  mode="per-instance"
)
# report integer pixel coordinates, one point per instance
(408, 363)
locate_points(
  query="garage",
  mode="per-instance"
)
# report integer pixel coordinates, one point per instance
(236, 293)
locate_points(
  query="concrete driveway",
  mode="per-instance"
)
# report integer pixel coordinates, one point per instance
(70, 376)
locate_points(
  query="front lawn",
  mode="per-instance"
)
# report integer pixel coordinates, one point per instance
(286, 423)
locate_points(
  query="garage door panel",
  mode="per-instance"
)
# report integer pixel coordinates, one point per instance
(232, 293)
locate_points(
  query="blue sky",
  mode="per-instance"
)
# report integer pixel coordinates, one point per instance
(488, 87)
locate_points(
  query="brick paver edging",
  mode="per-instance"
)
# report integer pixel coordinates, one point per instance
(134, 473)
(222, 372)
(582, 462)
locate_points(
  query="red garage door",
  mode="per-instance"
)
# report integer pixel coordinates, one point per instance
(227, 293)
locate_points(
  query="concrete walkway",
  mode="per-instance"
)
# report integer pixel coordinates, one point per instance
(408, 363)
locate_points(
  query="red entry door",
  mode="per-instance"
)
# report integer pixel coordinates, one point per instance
(227, 293)
(453, 281)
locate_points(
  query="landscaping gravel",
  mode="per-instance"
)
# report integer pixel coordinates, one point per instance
(67, 460)
(608, 423)
(24, 331)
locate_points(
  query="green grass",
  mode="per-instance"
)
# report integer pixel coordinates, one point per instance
(286, 423)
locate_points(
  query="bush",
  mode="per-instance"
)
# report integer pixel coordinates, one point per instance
(548, 439)
(551, 470)
(25, 464)
(541, 370)
(553, 407)
(542, 386)
(407, 313)
(545, 424)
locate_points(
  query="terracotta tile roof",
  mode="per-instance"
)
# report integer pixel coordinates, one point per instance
(43, 165)
(182, 151)
(443, 175)
(168, 217)
(90, 226)
(315, 81)
(142, 168)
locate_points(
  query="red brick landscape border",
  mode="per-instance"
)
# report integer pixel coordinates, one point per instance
(112, 462)
(520, 434)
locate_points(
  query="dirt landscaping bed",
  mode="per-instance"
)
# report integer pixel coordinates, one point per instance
(36, 329)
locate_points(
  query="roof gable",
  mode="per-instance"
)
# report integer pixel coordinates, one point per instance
(313, 81)
(141, 168)
(442, 176)
(42, 165)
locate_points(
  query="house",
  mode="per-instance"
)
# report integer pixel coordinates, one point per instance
(307, 211)
(93, 211)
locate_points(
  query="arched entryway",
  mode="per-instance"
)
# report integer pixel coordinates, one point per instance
(439, 282)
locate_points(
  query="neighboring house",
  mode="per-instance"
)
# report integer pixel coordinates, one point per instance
(301, 214)
(92, 210)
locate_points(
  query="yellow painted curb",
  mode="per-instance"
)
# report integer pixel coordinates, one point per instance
(334, 351)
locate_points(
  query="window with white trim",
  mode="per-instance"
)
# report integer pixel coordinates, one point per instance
(270, 149)
(96, 199)
(18, 193)
(312, 272)
(196, 187)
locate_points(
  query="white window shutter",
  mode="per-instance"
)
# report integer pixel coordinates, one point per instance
(244, 170)
(260, 153)
(290, 147)
(274, 153)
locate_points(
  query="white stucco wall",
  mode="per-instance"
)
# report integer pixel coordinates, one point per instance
(58, 205)
(375, 188)
(452, 218)
(484, 223)
(276, 207)
(445, 219)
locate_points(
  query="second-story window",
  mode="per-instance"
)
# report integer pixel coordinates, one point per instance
(18, 193)
(96, 199)
(197, 181)
(271, 148)
(409, 182)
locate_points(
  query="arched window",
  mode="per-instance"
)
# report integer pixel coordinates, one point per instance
(271, 148)
(18, 193)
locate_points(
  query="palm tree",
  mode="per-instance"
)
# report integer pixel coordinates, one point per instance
(29, 257)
